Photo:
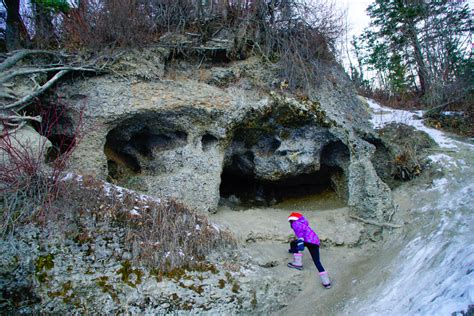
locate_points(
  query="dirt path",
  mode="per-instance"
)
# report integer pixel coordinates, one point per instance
(264, 233)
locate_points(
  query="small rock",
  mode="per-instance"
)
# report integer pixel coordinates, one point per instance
(188, 283)
(338, 241)
(270, 264)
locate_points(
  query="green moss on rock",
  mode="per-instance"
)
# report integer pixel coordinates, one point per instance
(127, 272)
(221, 284)
(106, 287)
(66, 293)
(43, 264)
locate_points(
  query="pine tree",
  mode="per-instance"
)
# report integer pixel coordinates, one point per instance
(416, 45)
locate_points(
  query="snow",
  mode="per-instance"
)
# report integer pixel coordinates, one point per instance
(68, 176)
(216, 227)
(453, 113)
(113, 190)
(439, 185)
(442, 159)
(434, 273)
(134, 212)
(384, 115)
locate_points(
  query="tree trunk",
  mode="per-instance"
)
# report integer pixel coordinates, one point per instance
(421, 67)
(16, 33)
(44, 28)
(223, 9)
(420, 62)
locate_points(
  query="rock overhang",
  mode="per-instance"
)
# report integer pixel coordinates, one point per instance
(198, 125)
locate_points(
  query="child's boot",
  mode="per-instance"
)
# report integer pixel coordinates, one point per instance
(325, 279)
(297, 261)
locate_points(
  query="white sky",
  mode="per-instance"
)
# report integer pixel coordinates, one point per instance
(358, 18)
(356, 15)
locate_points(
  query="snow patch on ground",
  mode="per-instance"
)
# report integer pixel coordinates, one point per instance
(433, 274)
(442, 159)
(439, 185)
(384, 115)
(112, 189)
(134, 212)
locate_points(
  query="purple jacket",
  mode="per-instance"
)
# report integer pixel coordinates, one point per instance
(302, 230)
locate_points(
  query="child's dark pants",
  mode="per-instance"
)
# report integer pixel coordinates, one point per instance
(313, 250)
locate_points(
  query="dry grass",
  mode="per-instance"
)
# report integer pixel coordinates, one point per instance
(162, 235)
(297, 33)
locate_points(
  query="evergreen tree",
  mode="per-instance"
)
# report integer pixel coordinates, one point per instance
(416, 45)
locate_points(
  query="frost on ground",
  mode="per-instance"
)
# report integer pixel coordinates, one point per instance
(433, 272)
(383, 116)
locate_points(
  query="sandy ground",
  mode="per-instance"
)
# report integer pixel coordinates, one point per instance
(264, 235)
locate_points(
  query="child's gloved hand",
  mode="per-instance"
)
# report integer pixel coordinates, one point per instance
(300, 244)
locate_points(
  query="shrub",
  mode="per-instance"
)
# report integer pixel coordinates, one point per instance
(112, 23)
(297, 33)
(29, 185)
(25, 185)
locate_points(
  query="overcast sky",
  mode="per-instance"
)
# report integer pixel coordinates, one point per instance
(356, 15)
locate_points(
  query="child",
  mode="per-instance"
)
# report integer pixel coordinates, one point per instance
(305, 237)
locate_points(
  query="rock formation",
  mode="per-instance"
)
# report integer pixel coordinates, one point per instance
(183, 132)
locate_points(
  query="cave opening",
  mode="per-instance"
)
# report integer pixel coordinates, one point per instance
(131, 148)
(251, 191)
(240, 185)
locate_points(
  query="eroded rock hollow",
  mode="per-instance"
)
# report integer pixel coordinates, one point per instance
(196, 141)
(275, 158)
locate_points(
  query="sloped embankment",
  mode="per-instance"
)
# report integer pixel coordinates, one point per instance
(106, 249)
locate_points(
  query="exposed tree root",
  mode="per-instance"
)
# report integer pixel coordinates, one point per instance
(368, 221)
(19, 55)
(21, 72)
(13, 104)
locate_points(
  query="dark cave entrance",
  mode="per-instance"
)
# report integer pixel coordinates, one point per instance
(240, 185)
(251, 191)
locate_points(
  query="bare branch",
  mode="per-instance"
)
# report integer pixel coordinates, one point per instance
(6, 95)
(28, 71)
(439, 108)
(19, 55)
(368, 221)
(14, 118)
(23, 102)
(16, 128)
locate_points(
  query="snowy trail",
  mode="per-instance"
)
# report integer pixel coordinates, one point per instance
(433, 274)
(382, 116)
